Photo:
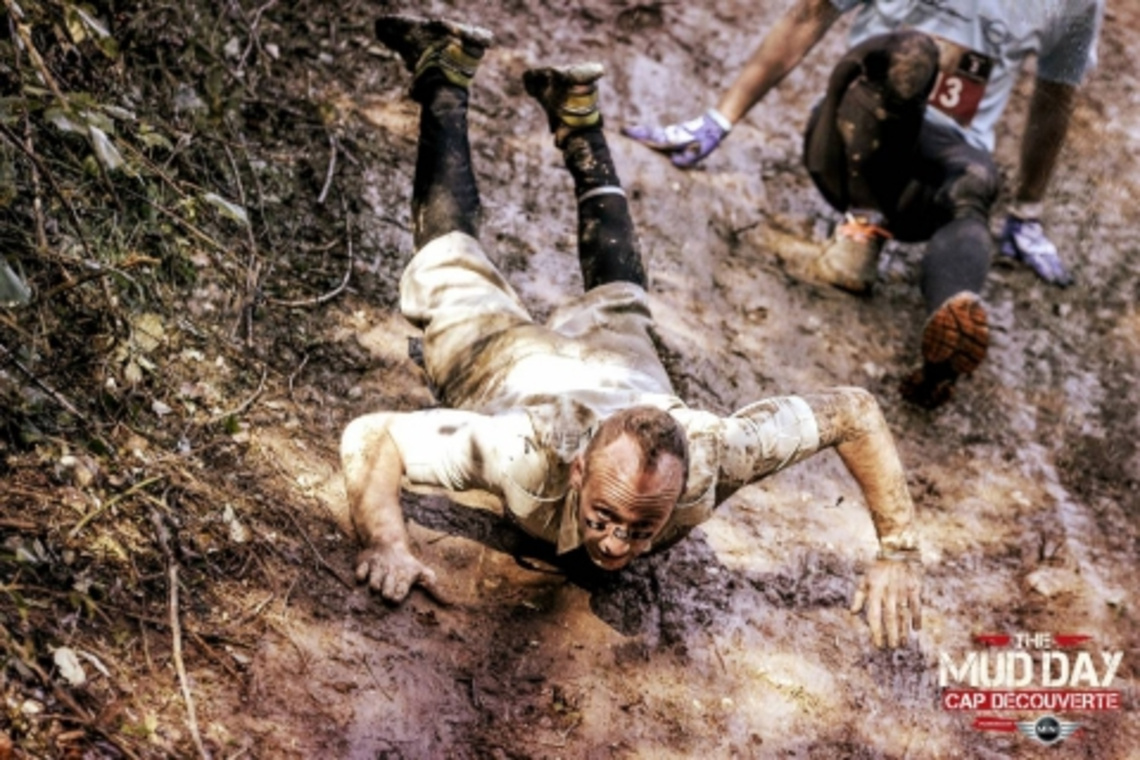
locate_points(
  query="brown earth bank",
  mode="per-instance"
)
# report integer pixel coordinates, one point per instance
(171, 511)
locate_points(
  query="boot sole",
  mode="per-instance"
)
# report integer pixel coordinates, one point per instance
(957, 334)
(394, 31)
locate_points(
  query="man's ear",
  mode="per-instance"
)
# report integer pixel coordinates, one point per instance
(577, 472)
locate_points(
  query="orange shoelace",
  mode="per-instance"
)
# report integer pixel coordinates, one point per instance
(860, 230)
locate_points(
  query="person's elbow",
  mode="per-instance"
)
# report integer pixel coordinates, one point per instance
(860, 414)
(362, 442)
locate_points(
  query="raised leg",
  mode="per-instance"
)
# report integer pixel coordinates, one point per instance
(607, 246)
(442, 57)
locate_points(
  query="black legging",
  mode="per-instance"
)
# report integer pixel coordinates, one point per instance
(445, 197)
(869, 147)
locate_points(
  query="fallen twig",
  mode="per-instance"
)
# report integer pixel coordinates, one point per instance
(293, 376)
(12, 139)
(253, 268)
(179, 666)
(243, 406)
(320, 558)
(37, 190)
(25, 36)
(184, 224)
(317, 301)
(253, 37)
(163, 536)
(331, 170)
(80, 715)
(102, 271)
(6, 355)
(87, 518)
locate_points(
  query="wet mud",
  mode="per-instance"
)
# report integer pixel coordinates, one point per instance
(736, 643)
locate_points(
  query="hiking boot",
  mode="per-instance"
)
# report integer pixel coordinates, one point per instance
(850, 261)
(568, 95)
(424, 44)
(954, 343)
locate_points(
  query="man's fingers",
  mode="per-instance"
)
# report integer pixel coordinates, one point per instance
(686, 156)
(397, 584)
(651, 137)
(860, 596)
(892, 615)
(374, 573)
(875, 618)
(362, 572)
(915, 597)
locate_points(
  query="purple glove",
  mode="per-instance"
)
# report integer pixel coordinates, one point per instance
(1024, 240)
(686, 143)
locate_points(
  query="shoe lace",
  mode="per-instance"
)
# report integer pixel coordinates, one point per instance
(859, 229)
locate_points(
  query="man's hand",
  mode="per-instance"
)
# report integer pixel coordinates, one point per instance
(686, 143)
(393, 571)
(891, 590)
(1024, 240)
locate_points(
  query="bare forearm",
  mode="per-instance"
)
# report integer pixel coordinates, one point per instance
(373, 471)
(850, 420)
(779, 53)
(1046, 126)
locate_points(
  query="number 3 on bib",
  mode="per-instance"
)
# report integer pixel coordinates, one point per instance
(960, 86)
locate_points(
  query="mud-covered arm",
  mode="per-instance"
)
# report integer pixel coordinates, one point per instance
(773, 434)
(373, 473)
(1046, 126)
(850, 420)
(781, 50)
(379, 452)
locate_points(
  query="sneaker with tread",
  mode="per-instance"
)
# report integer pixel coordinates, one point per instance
(954, 343)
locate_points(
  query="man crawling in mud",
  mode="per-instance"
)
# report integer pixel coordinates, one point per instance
(574, 425)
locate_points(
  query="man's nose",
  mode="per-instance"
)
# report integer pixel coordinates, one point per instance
(612, 546)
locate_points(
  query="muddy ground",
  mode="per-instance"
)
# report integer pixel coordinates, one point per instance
(735, 644)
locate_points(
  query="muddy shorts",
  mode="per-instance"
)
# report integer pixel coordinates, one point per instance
(484, 352)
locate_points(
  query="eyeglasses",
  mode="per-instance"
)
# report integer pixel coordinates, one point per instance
(618, 532)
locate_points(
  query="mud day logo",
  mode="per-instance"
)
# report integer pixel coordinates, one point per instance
(1039, 676)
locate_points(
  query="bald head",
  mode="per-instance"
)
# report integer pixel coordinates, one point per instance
(654, 431)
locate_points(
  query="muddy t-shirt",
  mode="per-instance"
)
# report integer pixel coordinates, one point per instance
(522, 456)
(983, 44)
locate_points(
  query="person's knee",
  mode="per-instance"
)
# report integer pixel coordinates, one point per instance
(904, 63)
(912, 65)
(973, 190)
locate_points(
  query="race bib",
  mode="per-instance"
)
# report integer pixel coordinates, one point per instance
(962, 78)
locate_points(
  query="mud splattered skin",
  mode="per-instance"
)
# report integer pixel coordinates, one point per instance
(845, 416)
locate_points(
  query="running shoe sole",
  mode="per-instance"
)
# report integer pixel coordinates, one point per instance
(958, 334)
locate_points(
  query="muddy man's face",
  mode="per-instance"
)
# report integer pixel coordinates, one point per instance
(620, 507)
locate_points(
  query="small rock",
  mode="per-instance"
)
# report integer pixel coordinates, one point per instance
(1051, 581)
